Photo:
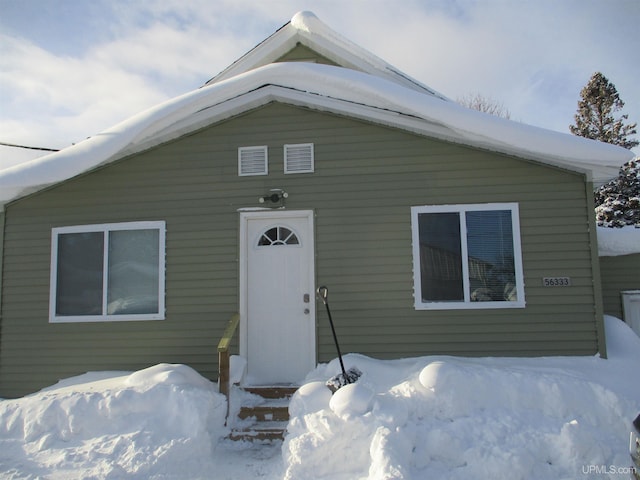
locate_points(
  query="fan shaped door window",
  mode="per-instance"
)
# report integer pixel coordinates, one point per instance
(278, 236)
(277, 311)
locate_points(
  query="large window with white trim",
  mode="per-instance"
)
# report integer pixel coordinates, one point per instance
(108, 272)
(467, 256)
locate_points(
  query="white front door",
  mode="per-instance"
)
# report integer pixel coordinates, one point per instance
(277, 304)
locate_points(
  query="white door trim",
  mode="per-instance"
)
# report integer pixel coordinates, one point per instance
(245, 244)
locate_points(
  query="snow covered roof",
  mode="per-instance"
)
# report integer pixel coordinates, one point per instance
(308, 30)
(613, 242)
(368, 95)
(11, 155)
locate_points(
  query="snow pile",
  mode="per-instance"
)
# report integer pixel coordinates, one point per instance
(455, 418)
(430, 417)
(156, 423)
(618, 241)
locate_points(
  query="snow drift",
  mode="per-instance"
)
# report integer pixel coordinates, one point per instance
(455, 418)
(430, 417)
(156, 423)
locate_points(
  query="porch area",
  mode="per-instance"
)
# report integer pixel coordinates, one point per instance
(254, 413)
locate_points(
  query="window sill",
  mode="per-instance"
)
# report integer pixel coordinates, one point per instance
(105, 318)
(468, 305)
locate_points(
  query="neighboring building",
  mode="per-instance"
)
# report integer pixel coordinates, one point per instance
(307, 162)
(620, 266)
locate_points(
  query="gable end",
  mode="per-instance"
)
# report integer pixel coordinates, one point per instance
(302, 53)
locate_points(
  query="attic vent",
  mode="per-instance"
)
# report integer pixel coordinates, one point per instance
(252, 161)
(298, 158)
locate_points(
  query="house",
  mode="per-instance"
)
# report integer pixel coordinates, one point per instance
(309, 161)
(619, 250)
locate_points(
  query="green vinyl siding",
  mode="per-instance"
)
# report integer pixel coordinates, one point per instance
(365, 181)
(618, 274)
(302, 53)
(1, 261)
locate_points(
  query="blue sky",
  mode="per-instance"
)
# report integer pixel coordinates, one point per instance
(72, 68)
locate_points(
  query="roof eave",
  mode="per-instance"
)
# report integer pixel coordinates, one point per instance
(320, 87)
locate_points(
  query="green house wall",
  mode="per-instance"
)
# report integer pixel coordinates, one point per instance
(301, 53)
(365, 181)
(619, 274)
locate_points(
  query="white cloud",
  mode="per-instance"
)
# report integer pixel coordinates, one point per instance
(160, 50)
(534, 57)
(64, 99)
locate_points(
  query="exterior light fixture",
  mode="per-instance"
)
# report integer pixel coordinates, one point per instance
(275, 195)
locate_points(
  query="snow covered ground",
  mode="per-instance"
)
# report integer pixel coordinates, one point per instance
(430, 417)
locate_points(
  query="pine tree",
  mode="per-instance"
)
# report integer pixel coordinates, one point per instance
(618, 202)
(599, 100)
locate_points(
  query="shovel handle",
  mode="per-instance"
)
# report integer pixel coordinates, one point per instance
(323, 293)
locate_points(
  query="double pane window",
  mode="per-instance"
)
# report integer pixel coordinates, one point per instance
(108, 272)
(467, 256)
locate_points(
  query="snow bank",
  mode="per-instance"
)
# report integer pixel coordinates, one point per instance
(618, 241)
(455, 418)
(156, 423)
(432, 417)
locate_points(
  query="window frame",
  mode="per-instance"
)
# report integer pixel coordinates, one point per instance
(105, 229)
(278, 226)
(466, 303)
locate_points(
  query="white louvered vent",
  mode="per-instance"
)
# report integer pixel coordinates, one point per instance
(252, 161)
(298, 158)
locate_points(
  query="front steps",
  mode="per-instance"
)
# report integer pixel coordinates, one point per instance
(259, 413)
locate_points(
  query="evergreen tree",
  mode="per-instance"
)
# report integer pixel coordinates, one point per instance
(599, 100)
(618, 202)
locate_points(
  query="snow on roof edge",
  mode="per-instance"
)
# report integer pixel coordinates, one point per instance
(312, 27)
(11, 155)
(614, 242)
(305, 27)
(318, 82)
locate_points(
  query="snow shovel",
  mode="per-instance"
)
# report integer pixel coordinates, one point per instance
(346, 377)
